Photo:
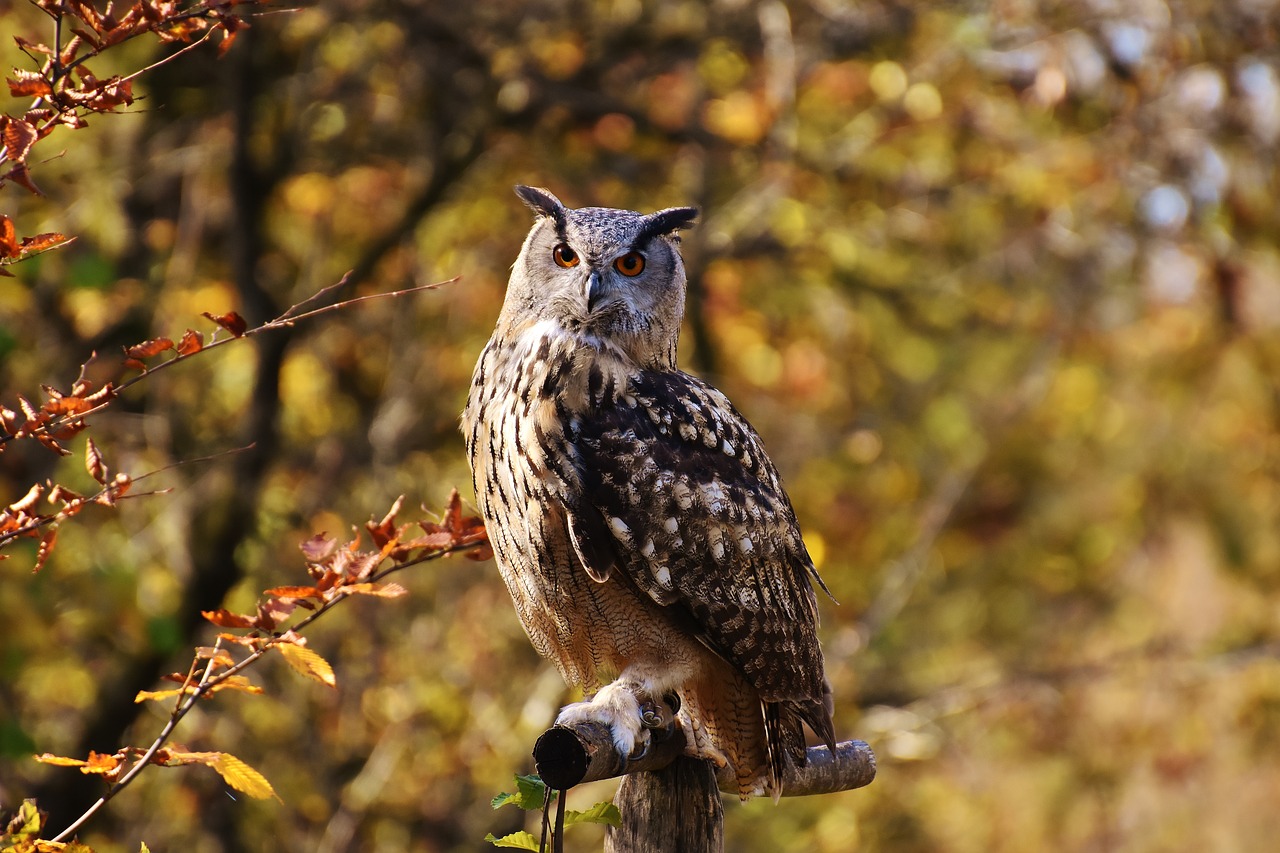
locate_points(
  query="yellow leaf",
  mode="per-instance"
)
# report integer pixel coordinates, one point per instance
(308, 663)
(59, 761)
(144, 695)
(242, 777)
(384, 590)
(235, 682)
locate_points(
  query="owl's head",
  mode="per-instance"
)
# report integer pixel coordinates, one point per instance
(612, 275)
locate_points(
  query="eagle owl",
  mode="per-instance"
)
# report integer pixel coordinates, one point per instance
(638, 524)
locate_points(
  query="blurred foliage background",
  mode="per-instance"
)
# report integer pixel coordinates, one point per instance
(999, 284)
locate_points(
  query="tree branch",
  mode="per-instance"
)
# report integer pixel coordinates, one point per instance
(569, 756)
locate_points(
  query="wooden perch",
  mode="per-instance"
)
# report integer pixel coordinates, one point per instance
(566, 757)
(669, 801)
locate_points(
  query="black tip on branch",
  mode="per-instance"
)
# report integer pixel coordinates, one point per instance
(565, 756)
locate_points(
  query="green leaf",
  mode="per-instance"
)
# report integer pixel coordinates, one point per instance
(603, 812)
(516, 840)
(530, 794)
(26, 824)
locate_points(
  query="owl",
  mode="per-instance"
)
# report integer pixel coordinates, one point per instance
(640, 527)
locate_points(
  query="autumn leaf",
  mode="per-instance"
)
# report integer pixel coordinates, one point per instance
(318, 548)
(44, 242)
(22, 177)
(226, 619)
(26, 84)
(192, 342)
(147, 349)
(28, 500)
(384, 590)
(274, 610)
(62, 406)
(99, 764)
(107, 766)
(47, 541)
(242, 777)
(26, 823)
(308, 663)
(18, 137)
(233, 771)
(220, 657)
(158, 695)
(293, 592)
(59, 761)
(8, 238)
(31, 47)
(231, 321)
(93, 462)
(384, 532)
(231, 26)
(235, 682)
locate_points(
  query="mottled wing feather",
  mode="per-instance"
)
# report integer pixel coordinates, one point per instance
(677, 484)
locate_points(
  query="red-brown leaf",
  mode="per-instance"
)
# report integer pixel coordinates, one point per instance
(292, 592)
(18, 138)
(453, 513)
(147, 349)
(94, 464)
(226, 619)
(28, 500)
(86, 12)
(484, 552)
(68, 54)
(273, 611)
(192, 342)
(70, 500)
(43, 242)
(384, 531)
(434, 540)
(8, 238)
(20, 176)
(32, 47)
(318, 548)
(87, 36)
(50, 442)
(231, 321)
(47, 541)
(28, 84)
(59, 406)
(231, 26)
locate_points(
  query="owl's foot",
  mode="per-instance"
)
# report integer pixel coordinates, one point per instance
(629, 712)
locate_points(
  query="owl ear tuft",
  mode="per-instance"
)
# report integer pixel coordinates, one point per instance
(541, 201)
(663, 222)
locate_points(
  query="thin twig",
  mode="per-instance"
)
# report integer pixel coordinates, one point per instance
(285, 320)
(209, 680)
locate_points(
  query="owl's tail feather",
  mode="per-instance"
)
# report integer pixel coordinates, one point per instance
(785, 733)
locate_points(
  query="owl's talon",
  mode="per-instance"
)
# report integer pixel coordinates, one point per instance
(651, 716)
(641, 748)
(616, 706)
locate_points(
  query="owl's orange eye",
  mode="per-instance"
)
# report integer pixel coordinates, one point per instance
(630, 264)
(565, 256)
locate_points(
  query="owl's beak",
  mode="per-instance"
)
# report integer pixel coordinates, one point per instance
(597, 291)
